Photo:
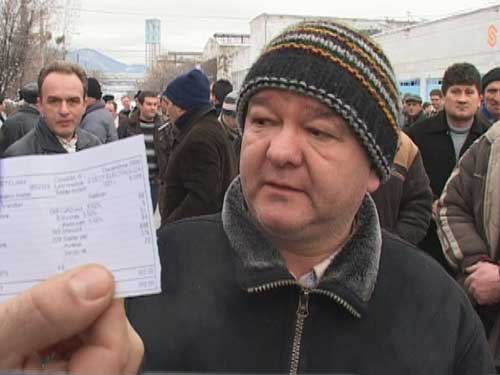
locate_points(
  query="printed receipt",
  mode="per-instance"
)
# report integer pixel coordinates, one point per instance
(62, 211)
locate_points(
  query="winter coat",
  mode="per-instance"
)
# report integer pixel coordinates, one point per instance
(18, 125)
(469, 214)
(229, 304)
(99, 121)
(432, 137)
(201, 166)
(133, 127)
(404, 203)
(41, 140)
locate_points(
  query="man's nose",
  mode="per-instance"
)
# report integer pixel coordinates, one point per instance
(63, 108)
(285, 147)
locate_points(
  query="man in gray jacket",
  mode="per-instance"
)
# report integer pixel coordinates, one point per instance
(97, 119)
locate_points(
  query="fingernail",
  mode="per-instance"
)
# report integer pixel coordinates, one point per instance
(91, 283)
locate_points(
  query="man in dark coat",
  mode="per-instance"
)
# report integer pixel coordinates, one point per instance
(444, 138)
(62, 94)
(202, 162)
(25, 119)
(295, 274)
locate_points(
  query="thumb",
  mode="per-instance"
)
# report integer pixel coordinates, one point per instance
(55, 309)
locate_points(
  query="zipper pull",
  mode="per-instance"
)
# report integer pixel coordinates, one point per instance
(303, 309)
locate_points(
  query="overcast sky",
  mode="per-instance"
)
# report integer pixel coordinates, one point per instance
(116, 27)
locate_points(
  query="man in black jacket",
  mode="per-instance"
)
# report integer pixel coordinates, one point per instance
(444, 138)
(295, 275)
(25, 119)
(63, 88)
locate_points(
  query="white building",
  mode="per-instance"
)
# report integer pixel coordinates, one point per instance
(421, 53)
(266, 26)
(222, 48)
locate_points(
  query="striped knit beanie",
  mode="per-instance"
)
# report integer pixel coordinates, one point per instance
(342, 69)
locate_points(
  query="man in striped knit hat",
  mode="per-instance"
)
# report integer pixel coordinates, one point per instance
(296, 275)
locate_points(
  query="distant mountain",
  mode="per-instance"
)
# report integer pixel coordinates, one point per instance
(91, 59)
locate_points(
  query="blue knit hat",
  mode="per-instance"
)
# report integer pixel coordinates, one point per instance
(190, 90)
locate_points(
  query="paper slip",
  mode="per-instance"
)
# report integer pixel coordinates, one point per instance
(62, 211)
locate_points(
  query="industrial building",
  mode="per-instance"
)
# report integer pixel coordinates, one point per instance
(421, 53)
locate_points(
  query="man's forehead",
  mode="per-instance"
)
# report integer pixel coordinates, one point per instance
(493, 85)
(264, 98)
(62, 85)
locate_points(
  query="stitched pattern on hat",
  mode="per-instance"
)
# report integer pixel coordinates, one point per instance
(373, 72)
(345, 111)
(391, 118)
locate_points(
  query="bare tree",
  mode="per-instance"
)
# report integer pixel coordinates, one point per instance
(161, 73)
(16, 23)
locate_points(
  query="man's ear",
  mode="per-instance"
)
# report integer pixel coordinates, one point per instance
(373, 181)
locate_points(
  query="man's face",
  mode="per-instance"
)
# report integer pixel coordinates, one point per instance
(62, 103)
(303, 172)
(229, 120)
(437, 102)
(111, 109)
(492, 98)
(126, 103)
(149, 107)
(173, 111)
(413, 108)
(461, 102)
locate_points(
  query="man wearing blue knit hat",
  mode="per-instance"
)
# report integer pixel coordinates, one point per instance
(202, 163)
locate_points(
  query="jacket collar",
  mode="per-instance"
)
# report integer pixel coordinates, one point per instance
(439, 124)
(94, 107)
(349, 280)
(50, 144)
(189, 119)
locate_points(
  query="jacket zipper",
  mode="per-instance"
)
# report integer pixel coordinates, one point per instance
(302, 314)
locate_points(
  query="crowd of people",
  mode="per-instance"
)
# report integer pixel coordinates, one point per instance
(299, 219)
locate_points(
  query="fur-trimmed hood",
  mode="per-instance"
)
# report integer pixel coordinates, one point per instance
(349, 280)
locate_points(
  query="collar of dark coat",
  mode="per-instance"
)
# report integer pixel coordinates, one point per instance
(190, 119)
(134, 120)
(51, 144)
(351, 277)
(439, 124)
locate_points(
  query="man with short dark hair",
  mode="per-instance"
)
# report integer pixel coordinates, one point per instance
(218, 92)
(24, 120)
(147, 121)
(97, 119)
(62, 92)
(295, 274)
(490, 107)
(444, 138)
(436, 96)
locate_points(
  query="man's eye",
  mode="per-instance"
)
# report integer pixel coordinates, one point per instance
(316, 133)
(261, 121)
